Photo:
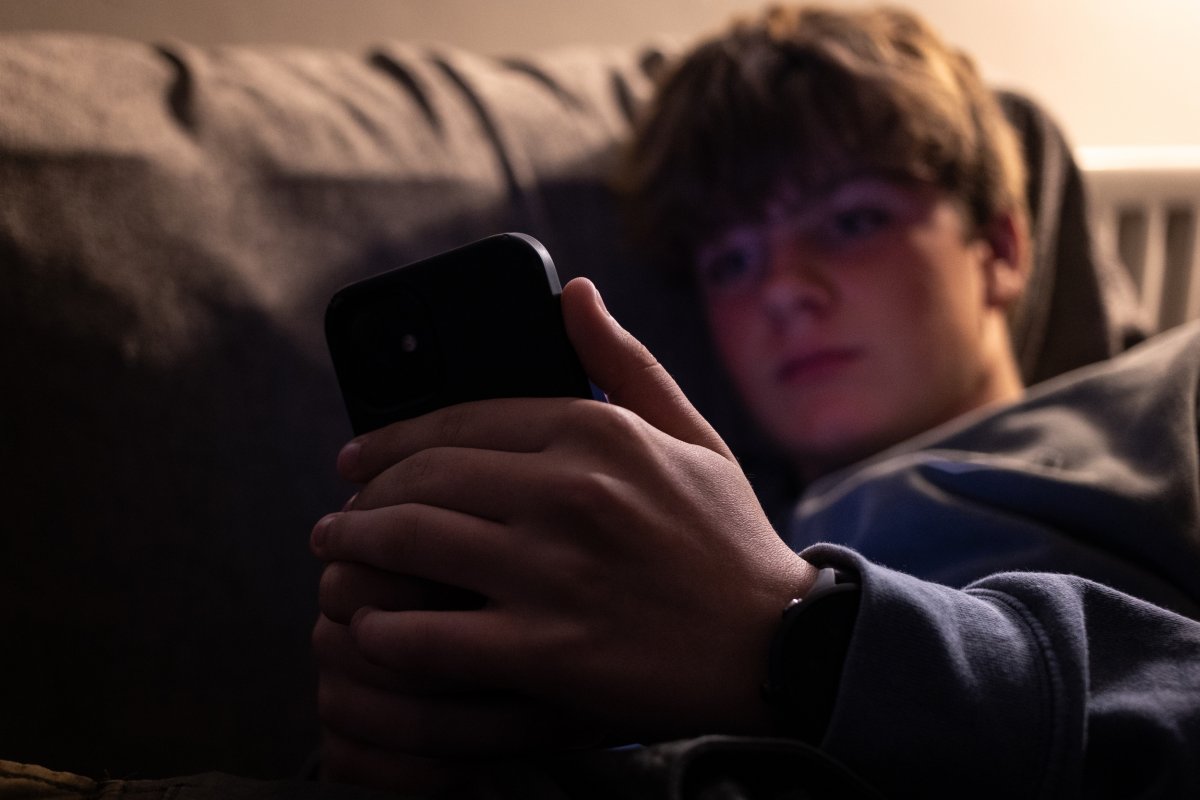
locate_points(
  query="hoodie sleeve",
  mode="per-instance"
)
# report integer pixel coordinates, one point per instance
(1018, 685)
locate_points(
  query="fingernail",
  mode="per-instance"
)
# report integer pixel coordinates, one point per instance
(350, 503)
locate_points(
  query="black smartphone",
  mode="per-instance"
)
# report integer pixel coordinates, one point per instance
(477, 322)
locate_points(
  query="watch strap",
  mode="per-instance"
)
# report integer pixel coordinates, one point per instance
(808, 651)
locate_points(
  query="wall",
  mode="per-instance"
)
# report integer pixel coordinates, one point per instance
(1116, 72)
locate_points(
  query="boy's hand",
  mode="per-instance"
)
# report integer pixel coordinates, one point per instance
(630, 580)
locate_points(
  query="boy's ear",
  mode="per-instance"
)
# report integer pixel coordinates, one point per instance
(1006, 264)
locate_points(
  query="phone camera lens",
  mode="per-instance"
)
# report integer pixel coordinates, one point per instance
(393, 341)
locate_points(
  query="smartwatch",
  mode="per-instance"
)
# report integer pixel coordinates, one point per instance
(804, 667)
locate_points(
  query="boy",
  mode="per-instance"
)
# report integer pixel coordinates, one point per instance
(847, 197)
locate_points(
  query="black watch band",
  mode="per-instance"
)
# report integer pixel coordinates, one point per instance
(804, 667)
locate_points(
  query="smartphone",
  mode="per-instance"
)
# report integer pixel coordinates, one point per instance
(477, 322)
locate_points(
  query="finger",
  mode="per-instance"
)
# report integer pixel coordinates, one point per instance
(516, 425)
(465, 649)
(444, 724)
(339, 658)
(346, 587)
(498, 482)
(622, 366)
(337, 653)
(425, 542)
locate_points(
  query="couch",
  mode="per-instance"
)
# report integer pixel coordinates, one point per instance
(173, 219)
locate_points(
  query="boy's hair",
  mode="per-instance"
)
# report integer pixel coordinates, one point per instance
(797, 98)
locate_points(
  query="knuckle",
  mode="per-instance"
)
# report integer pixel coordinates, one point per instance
(620, 427)
(401, 482)
(419, 470)
(578, 413)
(604, 427)
(417, 518)
(452, 423)
(588, 492)
(589, 416)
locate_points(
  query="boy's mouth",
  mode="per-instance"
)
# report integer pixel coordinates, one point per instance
(816, 365)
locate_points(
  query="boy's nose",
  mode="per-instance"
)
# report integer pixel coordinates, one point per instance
(795, 282)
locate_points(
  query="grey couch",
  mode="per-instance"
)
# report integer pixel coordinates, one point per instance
(172, 222)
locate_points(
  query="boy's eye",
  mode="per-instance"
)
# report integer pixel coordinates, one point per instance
(723, 268)
(726, 267)
(857, 222)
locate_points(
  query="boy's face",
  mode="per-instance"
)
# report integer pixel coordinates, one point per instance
(858, 317)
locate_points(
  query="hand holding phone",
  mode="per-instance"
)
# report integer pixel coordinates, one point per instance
(608, 547)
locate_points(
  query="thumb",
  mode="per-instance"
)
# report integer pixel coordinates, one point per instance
(628, 373)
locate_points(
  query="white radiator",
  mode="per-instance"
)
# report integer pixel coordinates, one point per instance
(1145, 203)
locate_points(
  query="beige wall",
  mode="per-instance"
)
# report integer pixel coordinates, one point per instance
(1117, 72)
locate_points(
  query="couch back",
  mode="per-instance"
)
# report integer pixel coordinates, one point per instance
(173, 220)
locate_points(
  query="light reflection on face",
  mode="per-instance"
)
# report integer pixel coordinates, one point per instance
(855, 318)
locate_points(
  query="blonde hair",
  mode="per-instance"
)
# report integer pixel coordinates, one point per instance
(801, 97)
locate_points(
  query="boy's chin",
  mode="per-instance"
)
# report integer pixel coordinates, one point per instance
(819, 453)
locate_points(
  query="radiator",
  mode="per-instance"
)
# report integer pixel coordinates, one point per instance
(1144, 207)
